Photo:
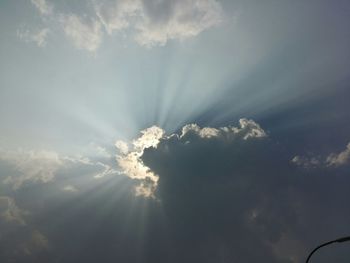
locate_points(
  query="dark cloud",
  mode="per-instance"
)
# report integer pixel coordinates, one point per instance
(226, 194)
(224, 199)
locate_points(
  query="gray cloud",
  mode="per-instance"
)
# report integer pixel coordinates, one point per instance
(218, 195)
(10, 212)
(339, 159)
(131, 163)
(35, 166)
(41, 166)
(332, 160)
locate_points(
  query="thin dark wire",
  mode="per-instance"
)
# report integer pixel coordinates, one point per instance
(339, 240)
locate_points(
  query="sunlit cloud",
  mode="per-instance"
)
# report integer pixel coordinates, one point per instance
(130, 160)
(131, 165)
(33, 166)
(41, 167)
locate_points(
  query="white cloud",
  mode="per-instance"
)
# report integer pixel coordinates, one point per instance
(131, 164)
(149, 23)
(338, 159)
(157, 22)
(39, 37)
(106, 170)
(247, 129)
(86, 35)
(10, 212)
(184, 19)
(43, 6)
(122, 147)
(34, 166)
(116, 15)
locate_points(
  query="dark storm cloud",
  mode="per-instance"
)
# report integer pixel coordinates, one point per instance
(226, 194)
(226, 198)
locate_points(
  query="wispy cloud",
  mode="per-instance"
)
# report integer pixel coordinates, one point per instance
(43, 6)
(85, 35)
(38, 37)
(331, 160)
(40, 166)
(10, 212)
(33, 166)
(157, 22)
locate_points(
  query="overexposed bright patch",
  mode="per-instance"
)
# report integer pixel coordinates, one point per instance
(131, 165)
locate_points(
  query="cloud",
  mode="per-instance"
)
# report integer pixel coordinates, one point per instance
(36, 243)
(157, 22)
(41, 166)
(117, 15)
(85, 34)
(306, 162)
(149, 23)
(339, 159)
(43, 6)
(70, 188)
(33, 166)
(38, 37)
(130, 160)
(9, 211)
(333, 160)
(224, 192)
(205, 194)
(131, 164)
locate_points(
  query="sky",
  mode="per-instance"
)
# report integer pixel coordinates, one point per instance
(174, 130)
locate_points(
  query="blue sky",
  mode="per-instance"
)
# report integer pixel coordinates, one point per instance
(122, 103)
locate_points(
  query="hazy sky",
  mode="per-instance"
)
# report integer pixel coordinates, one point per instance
(174, 130)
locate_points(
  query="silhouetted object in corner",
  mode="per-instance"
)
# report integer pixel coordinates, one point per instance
(339, 240)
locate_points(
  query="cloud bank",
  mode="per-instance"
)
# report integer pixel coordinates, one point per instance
(202, 194)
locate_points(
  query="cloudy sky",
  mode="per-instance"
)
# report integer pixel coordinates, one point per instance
(174, 130)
